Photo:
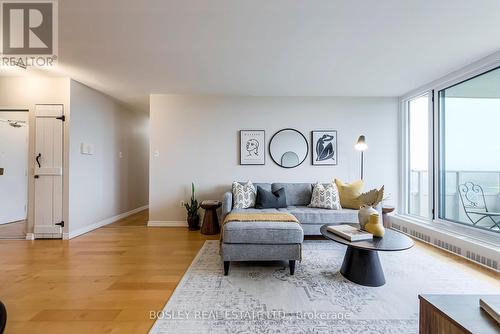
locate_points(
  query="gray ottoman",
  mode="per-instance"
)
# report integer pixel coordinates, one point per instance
(262, 241)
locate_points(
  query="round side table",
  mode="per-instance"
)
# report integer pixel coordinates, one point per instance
(210, 220)
(386, 210)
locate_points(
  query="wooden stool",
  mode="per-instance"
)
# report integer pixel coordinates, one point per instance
(210, 220)
(386, 210)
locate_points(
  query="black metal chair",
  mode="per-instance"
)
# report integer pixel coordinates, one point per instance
(474, 204)
(3, 317)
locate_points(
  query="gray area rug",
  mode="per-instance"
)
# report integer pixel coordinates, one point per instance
(264, 298)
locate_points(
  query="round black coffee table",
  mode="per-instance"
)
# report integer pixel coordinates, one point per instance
(361, 262)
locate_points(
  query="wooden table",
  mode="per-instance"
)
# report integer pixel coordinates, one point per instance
(452, 314)
(210, 220)
(361, 263)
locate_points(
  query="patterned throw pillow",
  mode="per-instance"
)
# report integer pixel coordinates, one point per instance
(325, 197)
(243, 195)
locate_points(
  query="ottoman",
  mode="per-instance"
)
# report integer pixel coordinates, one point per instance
(261, 241)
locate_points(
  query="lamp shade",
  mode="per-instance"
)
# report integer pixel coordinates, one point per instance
(361, 144)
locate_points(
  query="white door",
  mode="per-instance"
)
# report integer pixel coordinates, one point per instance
(13, 165)
(48, 162)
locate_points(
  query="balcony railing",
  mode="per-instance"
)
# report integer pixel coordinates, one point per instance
(453, 209)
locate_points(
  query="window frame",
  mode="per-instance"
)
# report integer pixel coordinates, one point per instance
(438, 135)
(469, 72)
(406, 154)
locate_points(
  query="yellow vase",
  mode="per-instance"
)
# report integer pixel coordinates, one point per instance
(374, 225)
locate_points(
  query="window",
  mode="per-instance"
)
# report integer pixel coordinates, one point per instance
(469, 152)
(452, 153)
(418, 156)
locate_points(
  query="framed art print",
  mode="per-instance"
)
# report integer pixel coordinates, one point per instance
(252, 147)
(324, 147)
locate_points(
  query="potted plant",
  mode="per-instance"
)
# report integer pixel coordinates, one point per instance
(193, 218)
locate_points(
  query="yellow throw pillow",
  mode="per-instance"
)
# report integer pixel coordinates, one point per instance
(349, 194)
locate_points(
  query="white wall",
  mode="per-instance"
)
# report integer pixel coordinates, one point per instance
(106, 183)
(197, 140)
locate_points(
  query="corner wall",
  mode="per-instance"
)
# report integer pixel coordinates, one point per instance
(114, 179)
(197, 140)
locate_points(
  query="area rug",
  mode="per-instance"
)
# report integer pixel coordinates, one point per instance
(264, 298)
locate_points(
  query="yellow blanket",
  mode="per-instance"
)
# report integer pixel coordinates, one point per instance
(259, 217)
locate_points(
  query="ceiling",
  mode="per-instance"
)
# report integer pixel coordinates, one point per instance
(131, 48)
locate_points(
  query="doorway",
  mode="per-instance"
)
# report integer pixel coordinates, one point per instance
(13, 173)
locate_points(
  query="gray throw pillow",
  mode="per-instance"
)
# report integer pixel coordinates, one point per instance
(267, 199)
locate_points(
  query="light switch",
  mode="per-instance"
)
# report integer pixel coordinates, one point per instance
(83, 148)
(120, 155)
(87, 149)
(156, 153)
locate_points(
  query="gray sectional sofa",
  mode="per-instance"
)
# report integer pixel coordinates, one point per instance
(272, 241)
(298, 197)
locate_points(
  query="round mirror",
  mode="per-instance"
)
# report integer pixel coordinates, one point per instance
(288, 148)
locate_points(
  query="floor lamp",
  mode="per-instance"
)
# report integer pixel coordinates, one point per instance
(361, 146)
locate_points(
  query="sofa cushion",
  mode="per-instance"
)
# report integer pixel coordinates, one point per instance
(263, 233)
(254, 210)
(307, 215)
(267, 199)
(296, 193)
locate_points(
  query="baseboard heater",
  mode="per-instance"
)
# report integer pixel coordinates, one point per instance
(464, 248)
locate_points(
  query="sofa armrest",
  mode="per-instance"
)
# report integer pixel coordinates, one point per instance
(227, 204)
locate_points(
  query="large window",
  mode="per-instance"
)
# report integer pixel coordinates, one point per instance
(469, 152)
(418, 156)
(452, 150)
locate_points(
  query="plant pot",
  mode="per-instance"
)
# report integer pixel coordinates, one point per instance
(364, 215)
(193, 223)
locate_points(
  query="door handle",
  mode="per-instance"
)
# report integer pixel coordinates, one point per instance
(38, 159)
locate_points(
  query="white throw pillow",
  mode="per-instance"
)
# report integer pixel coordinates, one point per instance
(325, 197)
(243, 195)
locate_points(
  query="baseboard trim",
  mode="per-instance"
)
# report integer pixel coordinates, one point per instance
(30, 236)
(167, 223)
(89, 228)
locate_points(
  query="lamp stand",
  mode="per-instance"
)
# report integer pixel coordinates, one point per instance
(362, 160)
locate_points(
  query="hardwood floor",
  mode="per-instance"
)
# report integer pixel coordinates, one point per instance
(107, 281)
